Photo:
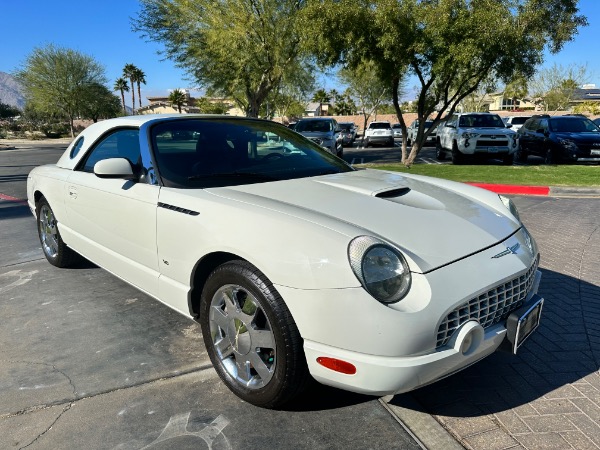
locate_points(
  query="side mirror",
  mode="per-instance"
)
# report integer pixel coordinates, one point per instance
(114, 168)
(540, 130)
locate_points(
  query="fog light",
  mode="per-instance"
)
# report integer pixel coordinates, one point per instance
(467, 143)
(468, 338)
(337, 365)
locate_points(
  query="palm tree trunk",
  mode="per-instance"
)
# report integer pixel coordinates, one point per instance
(123, 101)
(132, 96)
(139, 94)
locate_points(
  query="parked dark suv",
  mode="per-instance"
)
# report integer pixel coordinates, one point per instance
(559, 138)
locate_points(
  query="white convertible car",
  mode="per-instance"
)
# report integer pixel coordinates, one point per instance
(293, 262)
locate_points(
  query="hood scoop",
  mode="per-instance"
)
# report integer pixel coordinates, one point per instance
(393, 193)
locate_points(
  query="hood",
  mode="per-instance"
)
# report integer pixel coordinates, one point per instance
(579, 137)
(317, 134)
(431, 224)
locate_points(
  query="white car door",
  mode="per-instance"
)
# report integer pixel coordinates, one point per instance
(113, 221)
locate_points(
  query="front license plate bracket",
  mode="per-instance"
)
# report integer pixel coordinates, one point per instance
(523, 322)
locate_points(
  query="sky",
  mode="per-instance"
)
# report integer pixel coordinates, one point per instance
(102, 29)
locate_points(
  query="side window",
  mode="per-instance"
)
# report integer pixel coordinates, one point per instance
(76, 148)
(543, 125)
(124, 143)
(533, 125)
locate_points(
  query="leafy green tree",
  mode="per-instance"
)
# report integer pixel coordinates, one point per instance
(130, 73)
(241, 49)
(177, 98)
(587, 107)
(554, 86)
(53, 79)
(122, 86)
(99, 103)
(450, 46)
(7, 111)
(207, 106)
(365, 87)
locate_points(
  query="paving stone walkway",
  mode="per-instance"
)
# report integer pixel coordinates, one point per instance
(548, 396)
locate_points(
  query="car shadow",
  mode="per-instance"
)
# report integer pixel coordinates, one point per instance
(563, 351)
(318, 397)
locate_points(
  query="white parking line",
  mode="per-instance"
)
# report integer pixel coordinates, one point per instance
(362, 161)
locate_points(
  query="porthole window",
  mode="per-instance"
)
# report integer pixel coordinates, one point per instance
(76, 148)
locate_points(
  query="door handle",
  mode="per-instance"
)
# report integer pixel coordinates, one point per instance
(72, 192)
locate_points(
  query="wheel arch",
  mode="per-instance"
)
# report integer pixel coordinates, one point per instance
(202, 270)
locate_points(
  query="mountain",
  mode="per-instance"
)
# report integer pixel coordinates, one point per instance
(10, 91)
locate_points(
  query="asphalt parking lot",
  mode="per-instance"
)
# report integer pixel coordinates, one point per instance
(87, 361)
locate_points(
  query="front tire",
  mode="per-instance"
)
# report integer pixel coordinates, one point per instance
(550, 157)
(55, 250)
(457, 157)
(439, 151)
(251, 337)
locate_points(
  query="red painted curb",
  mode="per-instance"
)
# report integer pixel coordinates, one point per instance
(514, 189)
(12, 199)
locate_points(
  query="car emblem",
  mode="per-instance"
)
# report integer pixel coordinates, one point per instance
(509, 250)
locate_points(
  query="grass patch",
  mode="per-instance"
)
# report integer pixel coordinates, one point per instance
(542, 175)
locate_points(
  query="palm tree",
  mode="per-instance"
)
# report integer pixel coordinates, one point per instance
(129, 72)
(177, 97)
(139, 77)
(121, 85)
(322, 97)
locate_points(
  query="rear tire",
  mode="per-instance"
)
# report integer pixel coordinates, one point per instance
(251, 337)
(55, 250)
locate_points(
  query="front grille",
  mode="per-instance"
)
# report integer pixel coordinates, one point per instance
(489, 307)
(492, 143)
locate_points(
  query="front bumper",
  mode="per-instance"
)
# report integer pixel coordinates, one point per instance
(380, 375)
(398, 348)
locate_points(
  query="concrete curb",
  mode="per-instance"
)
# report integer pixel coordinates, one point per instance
(427, 431)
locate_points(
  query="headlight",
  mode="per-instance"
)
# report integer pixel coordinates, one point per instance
(567, 143)
(468, 135)
(510, 206)
(380, 268)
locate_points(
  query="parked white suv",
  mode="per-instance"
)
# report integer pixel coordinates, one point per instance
(515, 122)
(379, 133)
(475, 135)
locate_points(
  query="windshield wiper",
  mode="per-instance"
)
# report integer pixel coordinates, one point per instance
(252, 175)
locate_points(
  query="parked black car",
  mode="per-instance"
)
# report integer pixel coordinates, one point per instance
(571, 138)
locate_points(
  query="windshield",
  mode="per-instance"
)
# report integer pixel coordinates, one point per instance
(345, 126)
(481, 121)
(573, 125)
(314, 125)
(213, 152)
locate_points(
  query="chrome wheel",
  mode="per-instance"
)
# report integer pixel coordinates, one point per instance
(48, 231)
(242, 336)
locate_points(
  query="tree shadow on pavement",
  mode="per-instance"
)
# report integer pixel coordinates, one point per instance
(561, 355)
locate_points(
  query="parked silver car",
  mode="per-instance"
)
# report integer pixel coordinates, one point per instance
(323, 130)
